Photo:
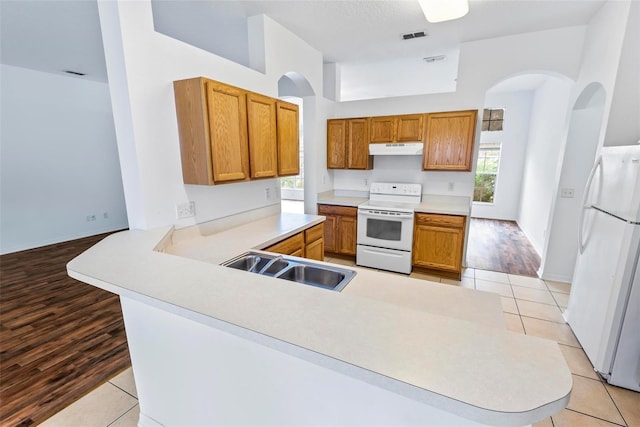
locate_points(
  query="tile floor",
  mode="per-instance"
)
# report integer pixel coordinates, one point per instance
(531, 306)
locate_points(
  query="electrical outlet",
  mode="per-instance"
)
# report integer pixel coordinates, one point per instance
(451, 186)
(366, 182)
(105, 215)
(267, 193)
(186, 210)
(91, 218)
(567, 193)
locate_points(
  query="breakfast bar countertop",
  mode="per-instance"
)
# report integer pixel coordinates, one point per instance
(475, 369)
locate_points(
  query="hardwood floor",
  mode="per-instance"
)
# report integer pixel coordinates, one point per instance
(59, 338)
(500, 246)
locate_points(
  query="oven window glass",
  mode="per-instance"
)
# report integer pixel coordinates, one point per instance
(384, 229)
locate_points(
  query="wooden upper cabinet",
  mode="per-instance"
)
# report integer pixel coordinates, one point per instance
(449, 140)
(228, 130)
(212, 127)
(193, 130)
(263, 143)
(358, 144)
(409, 127)
(404, 128)
(228, 134)
(348, 144)
(288, 139)
(383, 129)
(337, 144)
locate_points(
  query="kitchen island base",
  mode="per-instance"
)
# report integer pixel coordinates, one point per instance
(190, 372)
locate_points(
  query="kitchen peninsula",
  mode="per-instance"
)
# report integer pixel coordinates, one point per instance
(217, 346)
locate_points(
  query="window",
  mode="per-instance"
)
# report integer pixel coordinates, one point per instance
(486, 172)
(492, 119)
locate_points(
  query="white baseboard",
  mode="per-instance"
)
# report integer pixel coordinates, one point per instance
(557, 278)
(529, 239)
(145, 421)
(60, 239)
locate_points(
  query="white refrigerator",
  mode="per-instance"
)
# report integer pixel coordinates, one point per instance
(604, 302)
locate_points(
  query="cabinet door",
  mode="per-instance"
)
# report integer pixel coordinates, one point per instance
(337, 144)
(383, 129)
(357, 144)
(228, 132)
(409, 127)
(347, 230)
(289, 246)
(438, 241)
(315, 250)
(330, 230)
(263, 145)
(449, 141)
(288, 139)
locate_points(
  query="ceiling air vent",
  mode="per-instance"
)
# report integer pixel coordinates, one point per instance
(75, 73)
(415, 35)
(436, 58)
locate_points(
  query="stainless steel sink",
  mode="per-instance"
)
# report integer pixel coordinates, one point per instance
(314, 276)
(293, 269)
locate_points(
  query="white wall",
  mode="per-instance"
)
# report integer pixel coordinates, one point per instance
(513, 140)
(543, 157)
(142, 64)
(59, 161)
(624, 119)
(582, 142)
(599, 65)
(557, 51)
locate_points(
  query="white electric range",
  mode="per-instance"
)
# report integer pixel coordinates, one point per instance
(385, 226)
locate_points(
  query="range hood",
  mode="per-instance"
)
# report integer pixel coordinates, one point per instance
(396, 149)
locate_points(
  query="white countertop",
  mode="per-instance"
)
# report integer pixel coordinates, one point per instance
(438, 204)
(448, 205)
(409, 334)
(259, 234)
(342, 198)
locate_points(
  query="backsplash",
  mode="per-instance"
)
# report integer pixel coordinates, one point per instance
(405, 169)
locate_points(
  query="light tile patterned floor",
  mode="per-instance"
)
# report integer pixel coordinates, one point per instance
(531, 306)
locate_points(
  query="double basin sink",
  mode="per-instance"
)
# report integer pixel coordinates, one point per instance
(293, 269)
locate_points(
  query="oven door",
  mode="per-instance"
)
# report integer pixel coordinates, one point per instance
(385, 229)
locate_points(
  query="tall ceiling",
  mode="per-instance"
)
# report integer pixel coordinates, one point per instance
(58, 35)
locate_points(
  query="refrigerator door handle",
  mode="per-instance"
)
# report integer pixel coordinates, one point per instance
(585, 205)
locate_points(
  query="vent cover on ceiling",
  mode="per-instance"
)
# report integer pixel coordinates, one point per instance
(415, 35)
(436, 58)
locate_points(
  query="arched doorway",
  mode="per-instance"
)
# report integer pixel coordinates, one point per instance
(583, 137)
(508, 230)
(294, 88)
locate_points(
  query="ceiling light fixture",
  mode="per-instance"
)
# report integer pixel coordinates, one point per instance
(444, 10)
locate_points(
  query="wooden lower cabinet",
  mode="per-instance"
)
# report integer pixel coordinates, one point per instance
(438, 242)
(306, 244)
(293, 245)
(314, 242)
(341, 227)
(315, 250)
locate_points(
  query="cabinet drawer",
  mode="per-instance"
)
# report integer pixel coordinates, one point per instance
(314, 233)
(443, 220)
(288, 246)
(337, 210)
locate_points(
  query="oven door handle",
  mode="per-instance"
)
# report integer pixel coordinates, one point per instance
(373, 214)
